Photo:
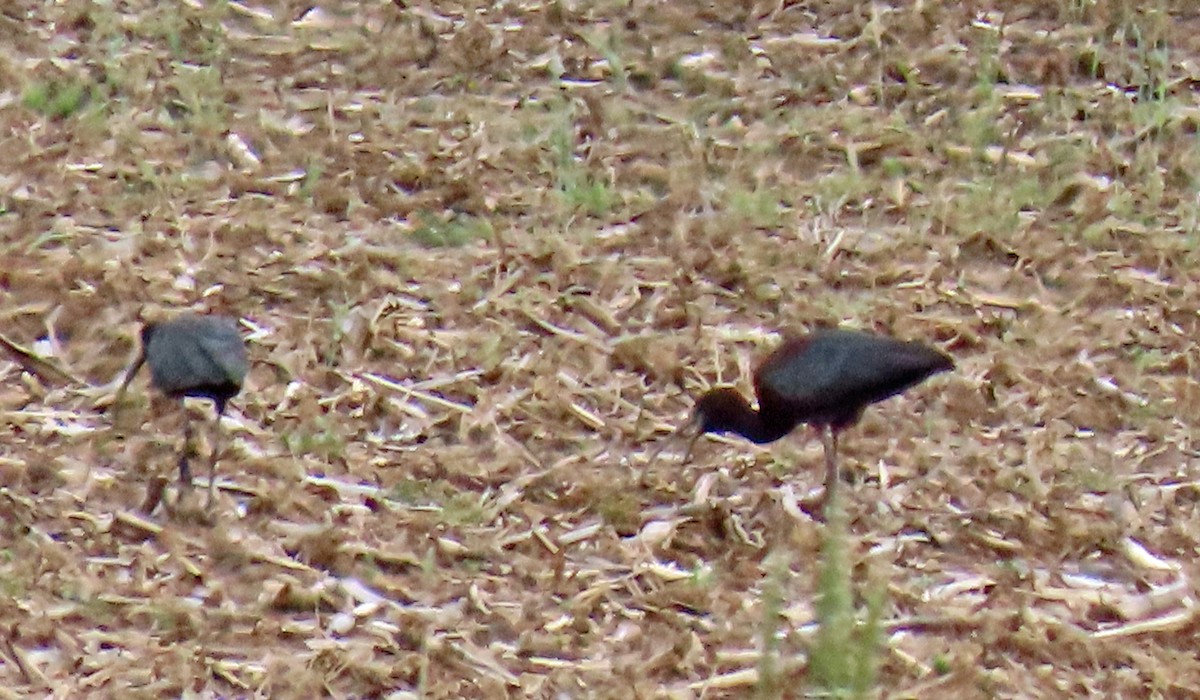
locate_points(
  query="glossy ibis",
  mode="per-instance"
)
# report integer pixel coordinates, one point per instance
(196, 356)
(825, 379)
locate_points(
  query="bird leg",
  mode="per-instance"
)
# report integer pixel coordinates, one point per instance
(687, 454)
(154, 493)
(185, 472)
(829, 437)
(216, 450)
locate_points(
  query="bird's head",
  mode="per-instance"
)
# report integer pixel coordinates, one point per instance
(720, 410)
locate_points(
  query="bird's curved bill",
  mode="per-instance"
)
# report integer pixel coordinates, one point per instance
(120, 397)
(690, 432)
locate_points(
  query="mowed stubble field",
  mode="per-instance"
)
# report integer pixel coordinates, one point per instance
(487, 255)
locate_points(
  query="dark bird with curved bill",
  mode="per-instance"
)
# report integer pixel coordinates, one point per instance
(825, 379)
(193, 356)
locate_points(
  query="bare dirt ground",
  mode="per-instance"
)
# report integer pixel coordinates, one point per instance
(486, 255)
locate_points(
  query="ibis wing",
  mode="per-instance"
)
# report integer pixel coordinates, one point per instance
(197, 352)
(830, 376)
(227, 352)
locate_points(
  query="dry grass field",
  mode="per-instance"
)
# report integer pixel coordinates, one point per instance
(486, 256)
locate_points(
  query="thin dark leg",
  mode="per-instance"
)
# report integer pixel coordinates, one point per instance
(216, 450)
(154, 493)
(829, 438)
(185, 472)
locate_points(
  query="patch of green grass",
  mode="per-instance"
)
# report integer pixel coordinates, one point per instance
(609, 47)
(1154, 410)
(769, 683)
(994, 202)
(98, 611)
(416, 492)
(11, 586)
(321, 440)
(694, 81)
(760, 208)
(893, 167)
(195, 35)
(980, 126)
(1091, 478)
(57, 99)
(51, 238)
(451, 232)
(199, 103)
(942, 665)
(836, 190)
(620, 509)
(462, 508)
(784, 464)
(339, 312)
(312, 176)
(1146, 358)
(166, 616)
(154, 185)
(579, 189)
(844, 659)
(702, 576)
(1150, 64)
(986, 52)
(588, 194)
(455, 507)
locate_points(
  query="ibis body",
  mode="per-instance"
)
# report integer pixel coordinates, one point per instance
(825, 379)
(194, 356)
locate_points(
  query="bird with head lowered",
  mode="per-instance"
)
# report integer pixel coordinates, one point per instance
(825, 379)
(193, 356)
